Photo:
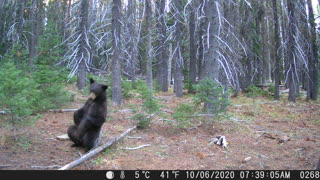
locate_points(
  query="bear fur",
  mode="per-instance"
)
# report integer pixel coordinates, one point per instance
(89, 119)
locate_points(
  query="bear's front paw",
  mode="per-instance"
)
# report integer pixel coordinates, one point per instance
(75, 145)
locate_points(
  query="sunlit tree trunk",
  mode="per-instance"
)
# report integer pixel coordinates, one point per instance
(116, 69)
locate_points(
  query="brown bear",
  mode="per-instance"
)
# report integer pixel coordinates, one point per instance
(89, 119)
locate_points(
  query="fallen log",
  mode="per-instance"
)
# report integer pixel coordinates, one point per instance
(46, 167)
(50, 110)
(62, 110)
(95, 151)
(5, 166)
(254, 104)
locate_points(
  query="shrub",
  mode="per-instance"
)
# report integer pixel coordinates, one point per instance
(143, 120)
(183, 114)
(149, 106)
(23, 94)
(19, 94)
(254, 91)
(126, 89)
(211, 95)
(51, 84)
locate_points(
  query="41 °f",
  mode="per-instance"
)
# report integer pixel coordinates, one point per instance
(166, 174)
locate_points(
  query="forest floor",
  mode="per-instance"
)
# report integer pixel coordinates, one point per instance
(260, 135)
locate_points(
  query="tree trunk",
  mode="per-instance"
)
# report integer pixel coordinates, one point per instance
(81, 79)
(148, 43)
(276, 49)
(192, 49)
(162, 58)
(211, 46)
(292, 80)
(133, 41)
(33, 34)
(313, 56)
(20, 20)
(178, 59)
(116, 69)
(201, 33)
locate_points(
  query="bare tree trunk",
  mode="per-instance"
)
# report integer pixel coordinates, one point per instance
(212, 46)
(116, 69)
(192, 49)
(20, 20)
(81, 76)
(313, 56)
(162, 58)
(178, 59)
(276, 49)
(131, 39)
(33, 35)
(201, 33)
(292, 80)
(149, 46)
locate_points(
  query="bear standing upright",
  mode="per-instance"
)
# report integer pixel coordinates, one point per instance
(90, 118)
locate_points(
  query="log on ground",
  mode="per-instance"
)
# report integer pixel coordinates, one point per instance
(95, 151)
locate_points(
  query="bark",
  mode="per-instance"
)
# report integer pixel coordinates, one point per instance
(33, 35)
(178, 59)
(292, 80)
(276, 49)
(148, 43)
(266, 48)
(81, 76)
(116, 69)
(192, 49)
(313, 56)
(212, 46)
(20, 20)
(201, 32)
(235, 19)
(246, 33)
(95, 151)
(162, 58)
(132, 49)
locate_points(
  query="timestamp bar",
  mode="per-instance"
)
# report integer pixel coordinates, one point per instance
(162, 174)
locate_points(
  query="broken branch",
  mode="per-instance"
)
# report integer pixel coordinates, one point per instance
(139, 147)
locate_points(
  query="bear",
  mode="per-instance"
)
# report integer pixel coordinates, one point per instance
(89, 119)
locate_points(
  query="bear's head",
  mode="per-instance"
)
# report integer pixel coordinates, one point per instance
(97, 91)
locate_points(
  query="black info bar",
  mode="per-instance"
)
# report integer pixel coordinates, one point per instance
(160, 174)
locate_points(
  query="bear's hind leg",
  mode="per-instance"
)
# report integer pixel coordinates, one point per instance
(91, 139)
(73, 135)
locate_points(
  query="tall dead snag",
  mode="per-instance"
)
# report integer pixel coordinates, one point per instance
(33, 35)
(211, 45)
(149, 43)
(192, 48)
(116, 68)
(95, 151)
(178, 63)
(276, 48)
(292, 78)
(162, 57)
(83, 44)
(313, 57)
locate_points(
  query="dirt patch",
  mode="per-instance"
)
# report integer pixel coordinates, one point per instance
(171, 147)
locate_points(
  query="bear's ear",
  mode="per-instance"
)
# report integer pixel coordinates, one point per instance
(104, 87)
(91, 81)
